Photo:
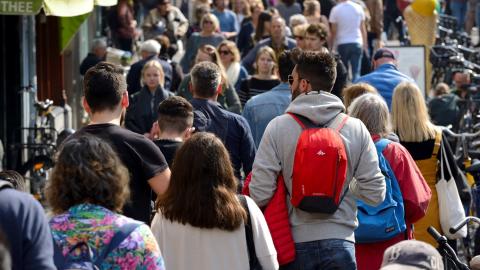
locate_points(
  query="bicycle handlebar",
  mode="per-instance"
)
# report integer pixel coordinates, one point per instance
(445, 249)
(461, 135)
(457, 227)
(434, 233)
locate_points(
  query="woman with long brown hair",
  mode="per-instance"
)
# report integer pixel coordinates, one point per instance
(228, 97)
(200, 223)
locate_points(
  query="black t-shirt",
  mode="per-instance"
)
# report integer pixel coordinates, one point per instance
(168, 148)
(143, 160)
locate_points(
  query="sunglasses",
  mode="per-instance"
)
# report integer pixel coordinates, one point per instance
(224, 52)
(291, 79)
(298, 37)
(207, 22)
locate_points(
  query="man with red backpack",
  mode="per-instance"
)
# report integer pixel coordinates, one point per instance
(327, 160)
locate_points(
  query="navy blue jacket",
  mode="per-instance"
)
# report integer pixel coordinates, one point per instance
(23, 222)
(135, 74)
(231, 128)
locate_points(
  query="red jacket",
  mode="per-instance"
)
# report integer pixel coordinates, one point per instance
(276, 215)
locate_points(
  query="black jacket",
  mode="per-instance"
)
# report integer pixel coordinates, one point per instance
(140, 114)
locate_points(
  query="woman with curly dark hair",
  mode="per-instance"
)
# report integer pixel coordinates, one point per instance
(200, 220)
(87, 189)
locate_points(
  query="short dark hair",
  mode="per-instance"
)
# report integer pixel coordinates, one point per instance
(285, 65)
(203, 175)
(87, 169)
(318, 29)
(206, 77)
(319, 68)
(175, 114)
(103, 86)
(15, 178)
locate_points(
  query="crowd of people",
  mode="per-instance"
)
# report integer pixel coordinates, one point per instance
(202, 157)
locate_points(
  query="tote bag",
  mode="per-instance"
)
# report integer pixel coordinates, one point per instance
(449, 203)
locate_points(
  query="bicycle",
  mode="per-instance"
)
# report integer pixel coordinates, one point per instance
(40, 149)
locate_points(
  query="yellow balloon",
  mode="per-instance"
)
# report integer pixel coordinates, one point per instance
(424, 7)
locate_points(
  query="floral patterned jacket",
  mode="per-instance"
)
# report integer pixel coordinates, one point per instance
(96, 226)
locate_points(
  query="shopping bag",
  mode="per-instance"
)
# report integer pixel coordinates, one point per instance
(449, 203)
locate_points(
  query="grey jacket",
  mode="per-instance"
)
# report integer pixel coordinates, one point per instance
(276, 154)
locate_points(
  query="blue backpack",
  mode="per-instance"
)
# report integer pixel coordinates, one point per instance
(376, 224)
(80, 256)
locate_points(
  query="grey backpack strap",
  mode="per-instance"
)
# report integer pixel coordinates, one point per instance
(338, 122)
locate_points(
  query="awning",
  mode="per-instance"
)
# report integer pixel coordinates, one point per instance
(62, 8)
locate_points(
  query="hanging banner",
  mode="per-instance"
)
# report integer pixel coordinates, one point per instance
(61, 8)
(20, 7)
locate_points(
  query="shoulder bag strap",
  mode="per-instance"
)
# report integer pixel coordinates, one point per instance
(437, 144)
(117, 239)
(252, 256)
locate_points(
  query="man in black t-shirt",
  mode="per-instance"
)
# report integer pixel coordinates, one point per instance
(105, 100)
(175, 120)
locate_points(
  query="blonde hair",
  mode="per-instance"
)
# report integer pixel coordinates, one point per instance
(270, 52)
(356, 90)
(300, 30)
(310, 7)
(213, 19)
(154, 64)
(232, 47)
(410, 120)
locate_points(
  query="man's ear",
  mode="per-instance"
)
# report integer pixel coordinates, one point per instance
(188, 133)
(125, 101)
(190, 87)
(219, 89)
(86, 107)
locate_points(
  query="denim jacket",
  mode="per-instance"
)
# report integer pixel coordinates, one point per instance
(261, 109)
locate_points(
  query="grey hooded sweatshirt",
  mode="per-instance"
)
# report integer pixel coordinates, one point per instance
(276, 154)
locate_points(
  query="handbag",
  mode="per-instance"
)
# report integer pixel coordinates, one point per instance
(252, 256)
(450, 206)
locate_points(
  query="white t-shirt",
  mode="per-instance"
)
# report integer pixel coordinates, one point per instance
(185, 247)
(348, 16)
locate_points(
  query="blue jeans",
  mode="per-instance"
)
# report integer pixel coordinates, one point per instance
(329, 254)
(459, 9)
(351, 55)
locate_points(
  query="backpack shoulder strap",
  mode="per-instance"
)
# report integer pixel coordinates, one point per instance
(117, 239)
(381, 144)
(248, 233)
(338, 122)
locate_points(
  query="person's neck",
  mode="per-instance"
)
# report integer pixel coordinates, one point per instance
(264, 76)
(277, 42)
(220, 9)
(214, 98)
(226, 65)
(105, 118)
(206, 33)
(152, 91)
(171, 136)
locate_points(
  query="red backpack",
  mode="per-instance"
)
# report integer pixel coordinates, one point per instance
(320, 166)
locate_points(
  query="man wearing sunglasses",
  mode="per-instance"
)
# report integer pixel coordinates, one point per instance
(322, 241)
